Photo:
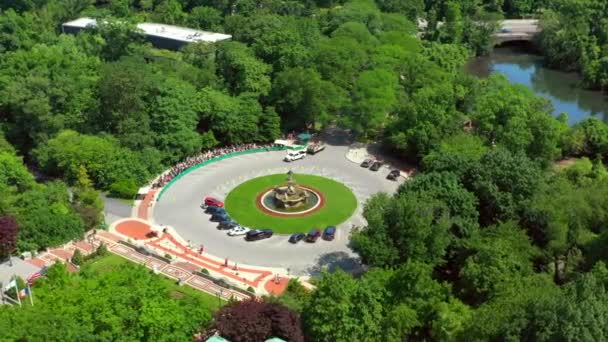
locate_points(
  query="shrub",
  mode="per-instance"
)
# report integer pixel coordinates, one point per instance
(250, 289)
(124, 188)
(168, 256)
(77, 258)
(258, 320)
(204, 271)
(102, 250)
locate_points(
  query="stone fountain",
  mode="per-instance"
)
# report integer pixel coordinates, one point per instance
(290, 195)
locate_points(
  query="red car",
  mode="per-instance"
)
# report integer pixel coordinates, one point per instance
(213, 201)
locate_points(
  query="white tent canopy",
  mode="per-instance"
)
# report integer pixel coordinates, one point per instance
(143, 191)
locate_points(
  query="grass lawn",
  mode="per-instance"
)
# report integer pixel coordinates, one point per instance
(339, 206)
(112, 261)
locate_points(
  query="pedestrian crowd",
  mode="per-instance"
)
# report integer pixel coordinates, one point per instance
(191, 161)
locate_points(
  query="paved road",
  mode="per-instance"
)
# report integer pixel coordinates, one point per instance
(179, 208)
(115, 209)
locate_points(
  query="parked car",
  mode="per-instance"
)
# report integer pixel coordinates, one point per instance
(258, 234)
(376, 166)
(294, 155)
(238, 230)
(313, 235)
(221, 217)
(315, 148)
(207, 201)
(227, 225)
(504, 30)
(329, 233)
(214, 210)
(394, 174)
(295, 238)
(366, 163)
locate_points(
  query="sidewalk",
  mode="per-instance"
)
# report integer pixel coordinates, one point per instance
(164, 240)
(176, 271)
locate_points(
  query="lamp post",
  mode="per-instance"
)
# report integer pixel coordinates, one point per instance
(219, 297)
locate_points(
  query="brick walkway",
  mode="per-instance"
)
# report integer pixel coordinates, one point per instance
(144, 206)
(178, 271)
(166, 243)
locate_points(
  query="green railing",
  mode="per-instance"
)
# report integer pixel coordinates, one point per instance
(216, 159)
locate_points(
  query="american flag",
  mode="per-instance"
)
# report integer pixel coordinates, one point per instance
(36, 275)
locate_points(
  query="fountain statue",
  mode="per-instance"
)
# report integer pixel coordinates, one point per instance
(290, 195)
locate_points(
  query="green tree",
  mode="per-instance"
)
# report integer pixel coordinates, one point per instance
(447, 188)
(303, 98)
(241, 70)
(411, 9)
(205, 18)
(515, 117)
(341, 309)
(13, 173)
(374, 97)
(120, 38)
(504, 183)
(234, 119)
(46, 217)
(499, 254)
(125, 90)
(174, 116)
(102, 157)
(46, 89)
(410, 226)
(340, 60)
(270, 125)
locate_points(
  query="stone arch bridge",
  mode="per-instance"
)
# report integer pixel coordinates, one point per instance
(509, 30)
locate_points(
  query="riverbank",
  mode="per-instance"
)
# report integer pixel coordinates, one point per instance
(563, 89)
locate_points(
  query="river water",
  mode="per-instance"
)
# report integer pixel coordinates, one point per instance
(561, 88)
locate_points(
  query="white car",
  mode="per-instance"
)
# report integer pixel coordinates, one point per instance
(295, 155)
(239, 230)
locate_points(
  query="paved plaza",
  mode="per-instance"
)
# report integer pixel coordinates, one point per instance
(179, 208)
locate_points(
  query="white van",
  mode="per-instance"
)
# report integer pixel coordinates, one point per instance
(294, 155)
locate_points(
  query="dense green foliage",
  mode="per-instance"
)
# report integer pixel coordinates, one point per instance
(488, 242)
(574, 37)
(109, 299)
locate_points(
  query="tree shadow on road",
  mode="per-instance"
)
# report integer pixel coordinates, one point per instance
(334, 261)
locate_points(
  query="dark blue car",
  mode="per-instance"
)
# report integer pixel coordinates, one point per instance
(221, 217)
(295, 238)
(329, 233)
(214, 210)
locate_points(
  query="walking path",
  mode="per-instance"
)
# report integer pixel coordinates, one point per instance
(164, 241)
(179, 271)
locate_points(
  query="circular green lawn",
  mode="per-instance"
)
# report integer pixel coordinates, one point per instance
(340, 203)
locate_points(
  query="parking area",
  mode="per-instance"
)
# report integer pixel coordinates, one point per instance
(180, 208)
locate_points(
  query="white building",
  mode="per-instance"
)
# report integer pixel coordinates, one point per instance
(160, 35)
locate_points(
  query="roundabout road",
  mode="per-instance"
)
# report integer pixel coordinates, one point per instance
(180, 208)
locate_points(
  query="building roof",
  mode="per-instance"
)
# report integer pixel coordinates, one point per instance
(20, 268)
(183, 34)
(83, 22)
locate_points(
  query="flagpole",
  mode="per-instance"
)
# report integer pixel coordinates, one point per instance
(17, 291)
(30, 293)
